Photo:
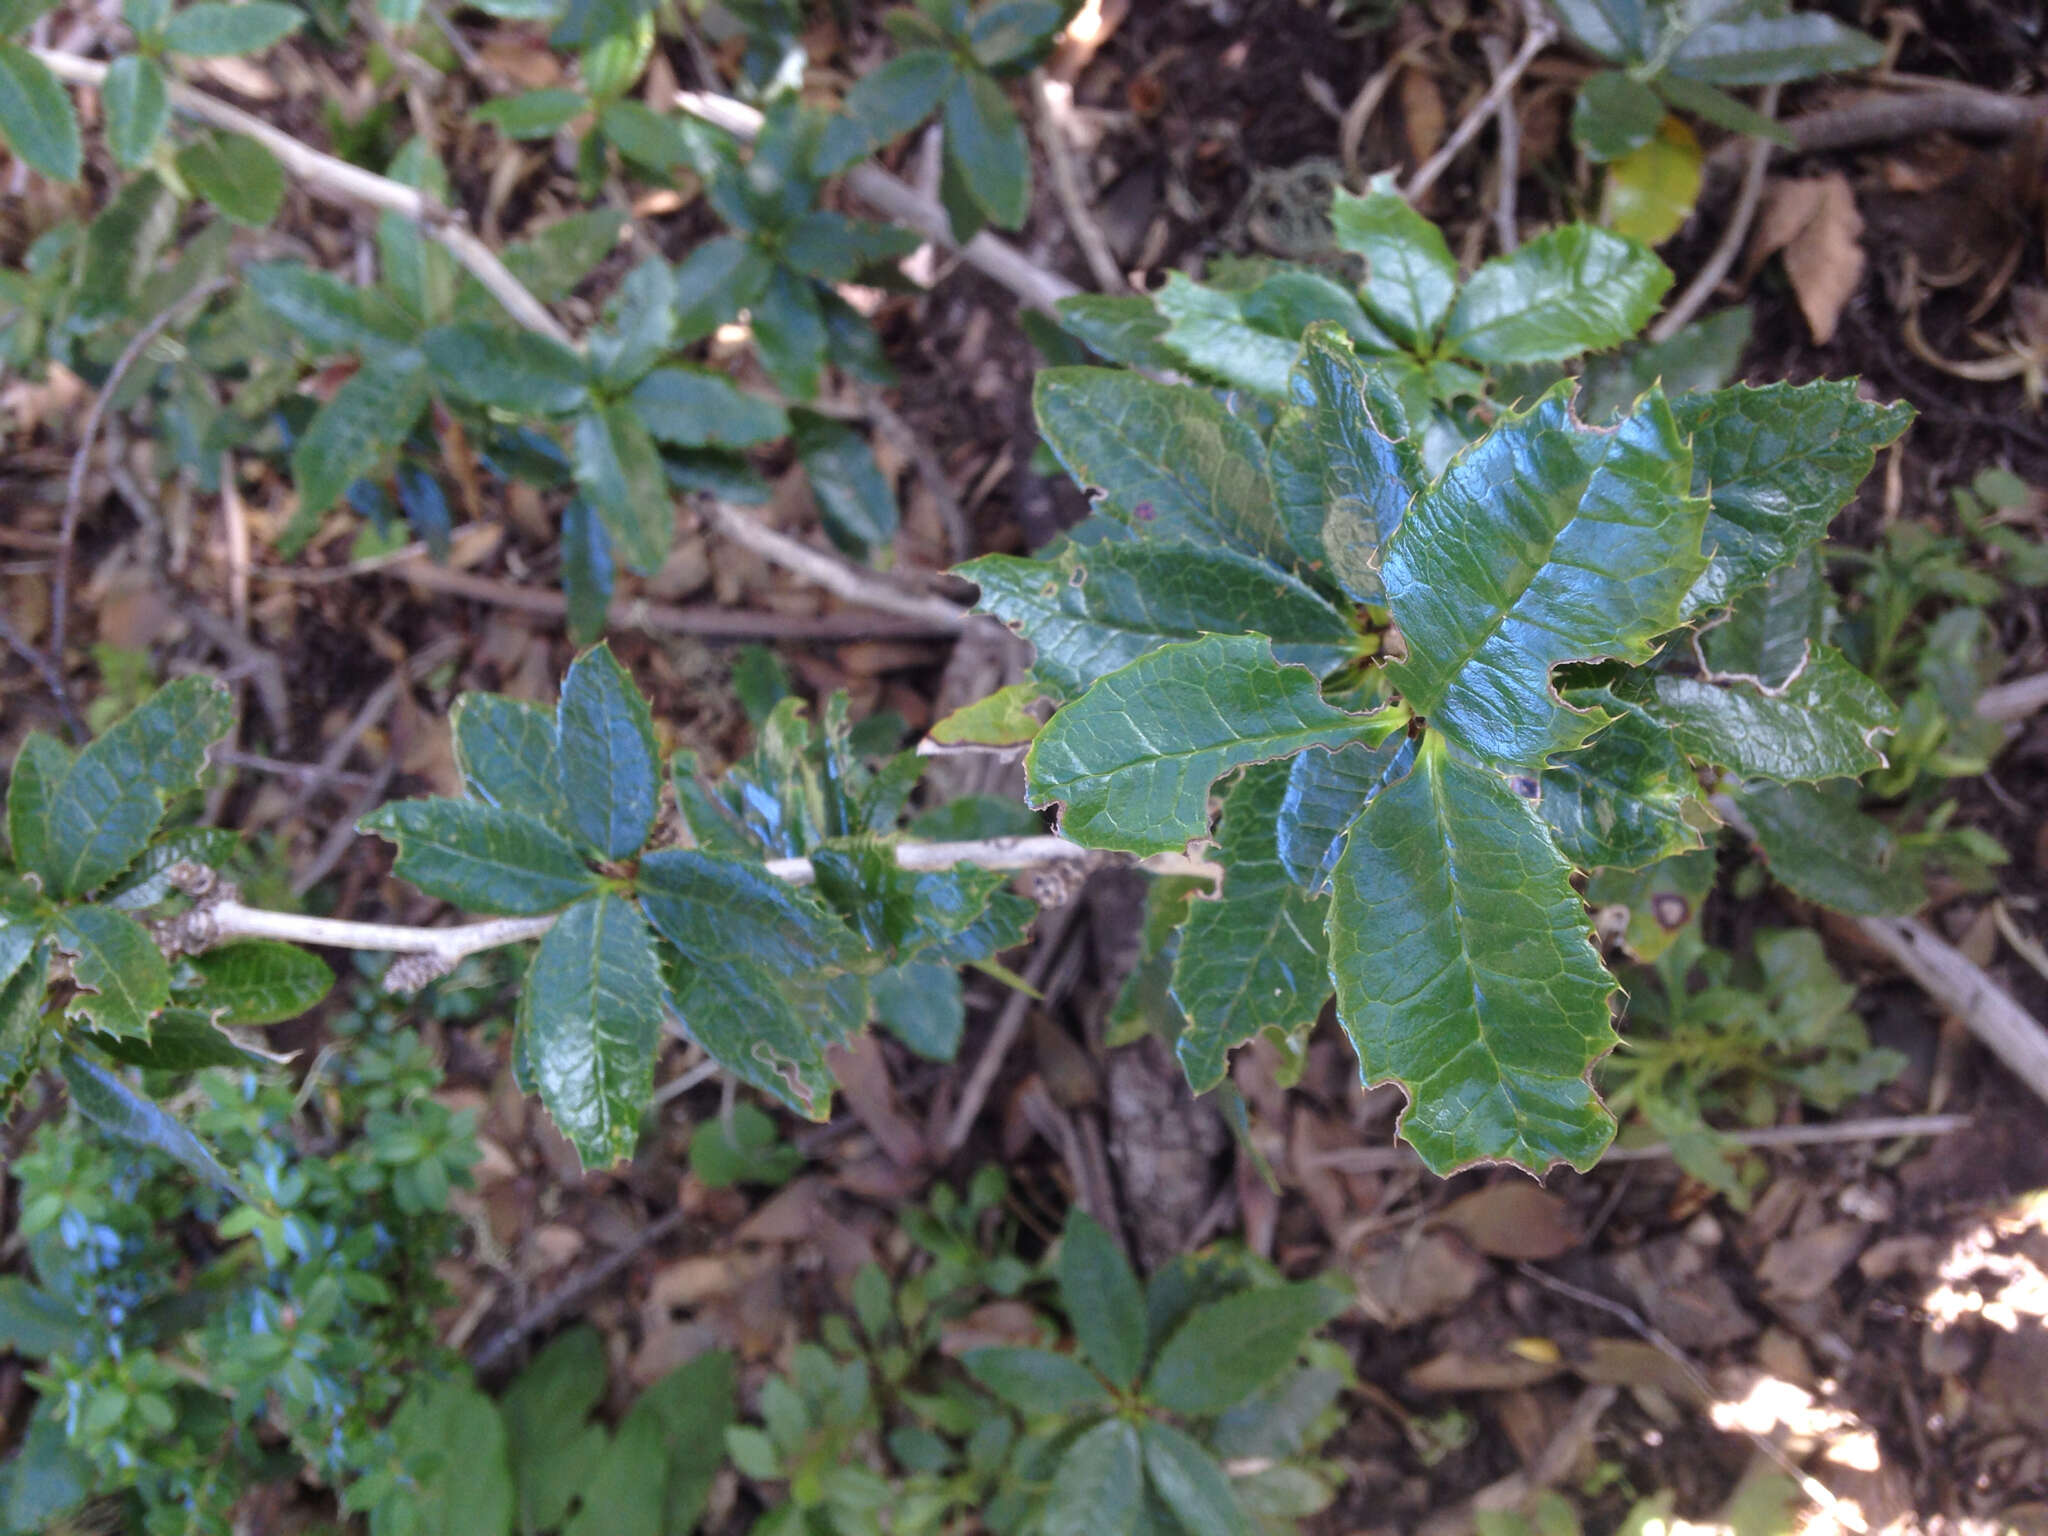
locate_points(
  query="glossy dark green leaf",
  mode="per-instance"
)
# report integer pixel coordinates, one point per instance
(1767, 49)
(23, 920)
(40, 768)
(714, 908)
(1325, 793)
(1703, 356)
(1254, 958)
(696, 408)
(367, 419)
(610, 770)
(1098, 1486)
(986, 141)
(1133, 758)
(790, 334)
(639, 322)
(586, 571)
(854, 497)
(1777, 464)
(1823, 724)
(1411, 276)
(1120, 328)
(1250, 338)
(236, 174)
(1228, 1349)
(256, 981)
(1035, 1382)
(594, 1020)
(107, 1101)
(1604, 544)
(36, 116)
(1465, 971)
(100, 815)
(1615, 114)
(1190, 1483)
(514, 371)
(920, 1003)
(138, 106)
(833, 248)
(23, 1039)
(505, 749)
(1170, 461)
(147, 881)
(1821, 845)
(1619, 802)
(1576, 289)
(618, 470)
(883, 106)
(213, 30)
(770, 1029)
(180, 1040)
(1343, 470)
(121, 974)
(1095, 609)
(714, 283)
(899, 911)
(328, 313)
(1772, 629)
(480, 857)
(1102, 1299)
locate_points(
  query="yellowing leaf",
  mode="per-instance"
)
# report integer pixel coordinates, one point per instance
(1651, 190)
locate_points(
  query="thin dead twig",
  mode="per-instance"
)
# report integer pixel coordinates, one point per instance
(2015, 700)
(50, 673)
(837, 576)
(1508, 138)
(1886, 118)
(931, 472)
(1054, 100)
(1540, 32)
(1009, 1024)
(1709, 276)
(572, 1293)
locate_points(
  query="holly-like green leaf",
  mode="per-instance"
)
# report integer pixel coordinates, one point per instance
(1411, 276)
(1098, 1487)
(1325, 793)
(36, 116)
(213, 30)
(1772, 629)
(1821, 845)
(236, 174)
(1823, 724)
(1777, 463)
(1619, 802)
(23, 1039)
(1543, 542)
(713, 908)
(138, 104)
(1255, 957)
(619, 473)
(1662, 901)
(790, 333)
(1035, 1382)
(98, 818)
(23, 921)
(586, 571)
(1765, 49)
(369, 417)
(1614, 115)
(1095, 609)
(1464, 970)
(180, 1040)
(480, 857)
(103, 1098)
(40, 767)
(922, 1005)
(1119, 328)
(1102, 1299)
(256, 981)
(505, 749)
(639, 321)
(611, 772)
(1228, 1349)
(1190, 1483)
(1576, 289)
(1703, 356)
(593, 1024)
(833, 248)
(696, 408)
(770, 1029)
(854, 496)
(1343, 470)
(899, 911)
(1249, 338)
(1133, 758)
(328, 313)
(1170, 461)
(986, 141)
(121, 974)
(883, 106)
(514, 371)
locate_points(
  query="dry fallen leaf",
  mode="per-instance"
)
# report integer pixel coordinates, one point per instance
(1513, 1219)
(1814, 223)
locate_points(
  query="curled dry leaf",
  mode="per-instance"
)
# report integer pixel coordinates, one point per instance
(1814, 223)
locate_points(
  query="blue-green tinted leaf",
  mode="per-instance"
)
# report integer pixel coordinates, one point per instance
(920, 1003)
(854, 497)
(138, 106)
(833, 248)
(211, 30)
(1823, 724)
(23, 1039)
(256, 981)
(1230, 1348)
(1035, 1382)
(1772, 629)
(1615, 114)
(180, 1040)
(594, 1022)
(1821, 845)
(1119, 328)
(1325, 793)
(1614, 29)
(1576, 289)
(1766, 49)
(328, 313)
(1703, 356)
(695, 408)
(1542, 543)
(1102, 1299)
(1170, 461)
(1465, 973)
(1008, 32)
(40, 768)
(1190, 1483)
(1134, 757)
(1095, 609)
(1098, 1487)
(1411, 276)
(1253, 958)
(480, 857)
(790, 334)
(639, 322)
(514, 371)
(533, 114)
(715, 282)
(1619, 801)
(36, 117)
(611, 773)
(121, 974)
(883, 106)
(108, 1102)
(1249, 338)
(366, 421)
(505, 749)
(586, 571)
(619, 472)
(986, 141)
